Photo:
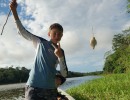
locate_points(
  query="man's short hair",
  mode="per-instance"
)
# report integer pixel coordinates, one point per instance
(57, 26)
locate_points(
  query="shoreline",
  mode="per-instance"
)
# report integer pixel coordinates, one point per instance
(12, 86)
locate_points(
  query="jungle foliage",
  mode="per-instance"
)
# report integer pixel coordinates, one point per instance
(13, 75)
(118, 60)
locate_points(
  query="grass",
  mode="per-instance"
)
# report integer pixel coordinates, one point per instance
(109, 87)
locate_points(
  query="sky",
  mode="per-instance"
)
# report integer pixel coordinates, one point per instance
(107, 17)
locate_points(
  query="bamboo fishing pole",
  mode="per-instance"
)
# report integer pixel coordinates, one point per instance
(5, 21)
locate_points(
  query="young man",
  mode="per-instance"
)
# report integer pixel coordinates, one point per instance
(41, 81)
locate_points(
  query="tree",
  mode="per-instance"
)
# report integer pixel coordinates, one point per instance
(119, 60)
(121, 40)
(13, 75)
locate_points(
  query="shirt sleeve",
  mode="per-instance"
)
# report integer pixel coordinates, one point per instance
(26, 34)
(63, 66)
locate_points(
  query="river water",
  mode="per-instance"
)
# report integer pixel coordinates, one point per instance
(70, 82)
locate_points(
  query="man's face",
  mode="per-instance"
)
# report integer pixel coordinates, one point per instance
(55, 35)
(58, 81)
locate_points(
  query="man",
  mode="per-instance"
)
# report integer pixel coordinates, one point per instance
(41, 81)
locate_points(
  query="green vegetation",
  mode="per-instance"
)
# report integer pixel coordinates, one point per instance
(110, 87)
(79, 74)
(118, 60)
(13, 75)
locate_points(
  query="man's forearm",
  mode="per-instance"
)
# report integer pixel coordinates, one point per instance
(15, 14)
(13, 7)
(63, 67)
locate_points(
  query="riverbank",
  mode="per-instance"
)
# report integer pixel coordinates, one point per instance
(109, 87)
(13, 94)
(16, 91)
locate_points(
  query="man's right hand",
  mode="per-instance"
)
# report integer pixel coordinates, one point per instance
(13, 5)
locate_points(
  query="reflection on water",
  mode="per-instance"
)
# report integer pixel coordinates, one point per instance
(18, 94)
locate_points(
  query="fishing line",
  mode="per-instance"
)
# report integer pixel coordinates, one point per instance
(92, 31)
(93, 41)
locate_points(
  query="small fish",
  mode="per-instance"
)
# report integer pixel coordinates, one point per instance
(93, 42)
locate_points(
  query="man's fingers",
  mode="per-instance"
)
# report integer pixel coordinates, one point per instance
(58, 45)
(14, 0)
(57, 51)
(54, 46)
(13, 3)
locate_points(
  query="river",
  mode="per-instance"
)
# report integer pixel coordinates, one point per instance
(6, 89)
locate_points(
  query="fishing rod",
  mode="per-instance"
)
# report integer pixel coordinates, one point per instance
(5, 22)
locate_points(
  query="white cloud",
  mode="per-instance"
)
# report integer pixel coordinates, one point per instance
(77, 18)
(12, 46)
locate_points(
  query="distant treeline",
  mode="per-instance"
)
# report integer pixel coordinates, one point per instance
(79, 74)
(11, 75)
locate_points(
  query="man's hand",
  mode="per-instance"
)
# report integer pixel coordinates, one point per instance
(58, 51)
(13, 5)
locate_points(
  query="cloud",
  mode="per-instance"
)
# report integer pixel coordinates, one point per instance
(12, 46)
(126, 26)
(77, 17)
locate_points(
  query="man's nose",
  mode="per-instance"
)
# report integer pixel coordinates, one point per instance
(57, 36)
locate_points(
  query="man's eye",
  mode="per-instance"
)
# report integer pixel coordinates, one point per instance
(54, 33)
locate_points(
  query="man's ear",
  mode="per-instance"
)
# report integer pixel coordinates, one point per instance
(48, 33)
